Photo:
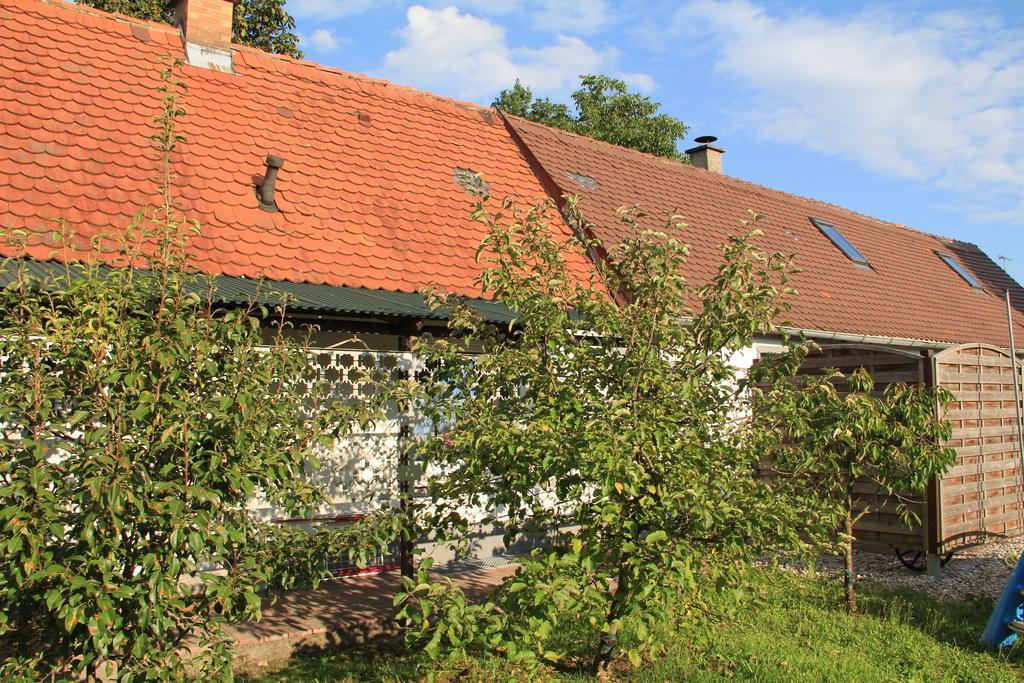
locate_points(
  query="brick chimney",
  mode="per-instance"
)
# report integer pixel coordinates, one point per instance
(706, 155)
(206, 28)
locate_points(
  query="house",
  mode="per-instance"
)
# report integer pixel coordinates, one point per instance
(906, 305)
(367, 208)
(365, 211)
(902, 293)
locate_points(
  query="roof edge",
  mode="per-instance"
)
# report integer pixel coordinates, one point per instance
(297, 297)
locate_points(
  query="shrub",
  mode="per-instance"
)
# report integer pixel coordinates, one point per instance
(139, 420)
(611, 418)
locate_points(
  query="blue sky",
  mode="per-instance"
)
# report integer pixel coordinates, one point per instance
(911, 111)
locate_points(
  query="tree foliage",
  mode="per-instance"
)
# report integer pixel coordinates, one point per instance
(266, 25)
(605, 109)
(263, 24)
(870, 450)
(139, 422)
(611, 421)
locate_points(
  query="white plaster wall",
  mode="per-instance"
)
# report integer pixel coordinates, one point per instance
(360, 473)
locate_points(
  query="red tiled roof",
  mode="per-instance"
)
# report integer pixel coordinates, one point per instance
(910, 293)
(367, 194)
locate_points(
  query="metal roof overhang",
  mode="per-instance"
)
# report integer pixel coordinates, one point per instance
(304, 297)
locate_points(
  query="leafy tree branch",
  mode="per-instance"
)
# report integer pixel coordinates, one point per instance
(614, 430)
(263, 24)
(605, 109)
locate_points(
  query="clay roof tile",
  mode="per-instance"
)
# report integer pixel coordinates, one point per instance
(908, 293)
(357, 197)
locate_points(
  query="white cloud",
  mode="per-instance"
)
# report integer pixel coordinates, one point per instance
(323, 40)
(936, 98)
(469, 57)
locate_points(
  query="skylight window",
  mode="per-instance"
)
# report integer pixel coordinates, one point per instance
(958, 269)
(832, 232)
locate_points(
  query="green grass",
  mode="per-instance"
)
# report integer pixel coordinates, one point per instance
(789, 628)
(797, 630)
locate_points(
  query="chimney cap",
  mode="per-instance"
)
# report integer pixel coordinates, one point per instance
(705, 142)
(706, 155)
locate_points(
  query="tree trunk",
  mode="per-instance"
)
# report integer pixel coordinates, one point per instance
(610, 636)
(851, 592)
(407, 539)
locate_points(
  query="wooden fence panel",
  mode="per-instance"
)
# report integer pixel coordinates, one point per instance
(881, 528)
(982, 492)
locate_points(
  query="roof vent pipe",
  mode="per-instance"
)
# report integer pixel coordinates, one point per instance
(265, 190)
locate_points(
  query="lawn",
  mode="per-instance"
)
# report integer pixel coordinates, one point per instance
(788, 628)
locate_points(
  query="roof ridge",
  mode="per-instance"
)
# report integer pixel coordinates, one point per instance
(595, 141)
(118, 17)
(362, 78)
(716, 177)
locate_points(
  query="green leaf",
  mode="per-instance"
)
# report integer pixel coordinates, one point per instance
(656, 537)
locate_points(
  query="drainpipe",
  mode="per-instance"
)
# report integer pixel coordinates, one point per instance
(866, 339)
(933, 493)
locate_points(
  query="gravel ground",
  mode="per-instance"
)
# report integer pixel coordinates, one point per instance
(981, 571)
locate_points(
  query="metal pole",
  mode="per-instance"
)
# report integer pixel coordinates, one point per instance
(1016, 385)
(932, 538)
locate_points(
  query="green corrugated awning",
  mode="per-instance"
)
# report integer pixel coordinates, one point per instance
(347, 300)
(298, 296)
